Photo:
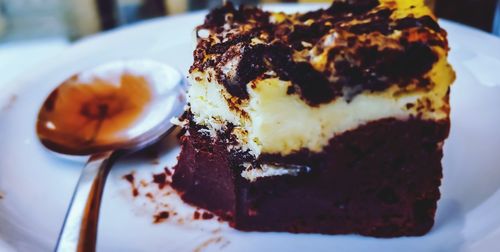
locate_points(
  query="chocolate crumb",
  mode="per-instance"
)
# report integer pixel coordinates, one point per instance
(161, 216)
(196, 215)
(207, 216)
(129, 177)
(160, 179)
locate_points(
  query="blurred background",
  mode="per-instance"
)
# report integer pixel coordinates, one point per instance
(35, 29)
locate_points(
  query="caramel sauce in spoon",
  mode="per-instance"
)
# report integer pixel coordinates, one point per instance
(80, 118)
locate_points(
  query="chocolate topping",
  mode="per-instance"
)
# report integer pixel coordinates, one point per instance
(411, 22)
(247, 43)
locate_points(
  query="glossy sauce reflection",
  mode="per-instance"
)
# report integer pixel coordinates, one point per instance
(82, 116)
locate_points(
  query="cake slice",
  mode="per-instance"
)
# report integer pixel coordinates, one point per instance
(331, 121)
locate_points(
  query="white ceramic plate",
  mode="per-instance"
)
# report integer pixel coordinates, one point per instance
(35, 185)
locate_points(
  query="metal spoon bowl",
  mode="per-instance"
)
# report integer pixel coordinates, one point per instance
(106, 112)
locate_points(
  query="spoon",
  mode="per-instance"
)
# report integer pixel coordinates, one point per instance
(106, 112)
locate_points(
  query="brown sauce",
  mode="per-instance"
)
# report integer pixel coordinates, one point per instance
(78, 117)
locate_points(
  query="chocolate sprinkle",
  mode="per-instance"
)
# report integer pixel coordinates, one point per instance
(160, 179)
(129, 177)
(161, 216)
(207, 216)
(196, 215)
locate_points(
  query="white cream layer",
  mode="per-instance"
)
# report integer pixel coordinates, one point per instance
(276, 122)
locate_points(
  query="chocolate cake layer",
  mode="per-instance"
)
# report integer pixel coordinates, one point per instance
(381, 179)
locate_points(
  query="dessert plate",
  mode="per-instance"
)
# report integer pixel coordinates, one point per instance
(141, 213)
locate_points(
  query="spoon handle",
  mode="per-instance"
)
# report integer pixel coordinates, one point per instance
(79, 231)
